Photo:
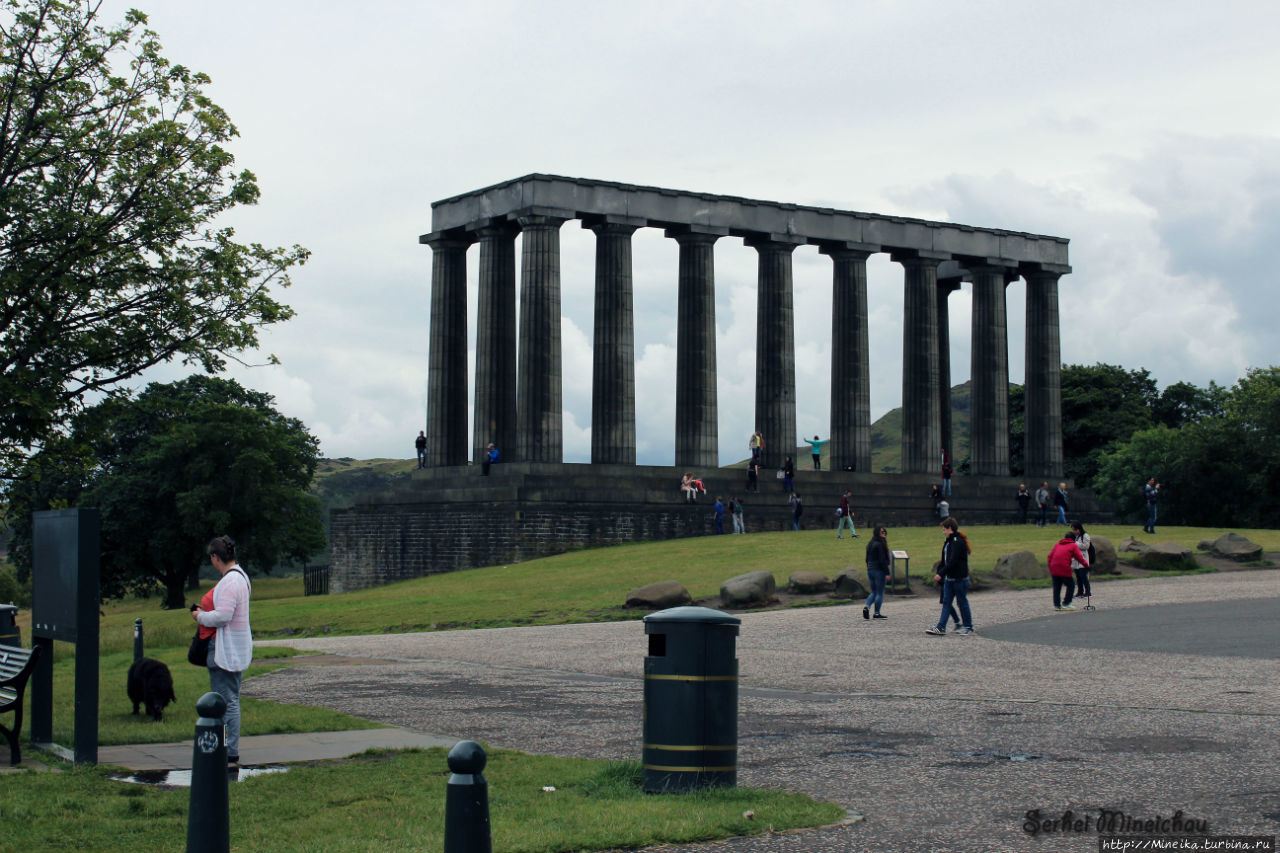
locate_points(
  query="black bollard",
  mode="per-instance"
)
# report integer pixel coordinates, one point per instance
(137, 639)
(466, 805)
(208, 817)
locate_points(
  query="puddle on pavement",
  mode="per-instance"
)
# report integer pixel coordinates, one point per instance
(182, 778)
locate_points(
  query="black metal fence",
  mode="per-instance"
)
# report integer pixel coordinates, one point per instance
(315, 580)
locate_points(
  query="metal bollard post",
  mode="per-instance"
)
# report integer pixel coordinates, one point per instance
(137, 639)
(466, 805)
(208, 816)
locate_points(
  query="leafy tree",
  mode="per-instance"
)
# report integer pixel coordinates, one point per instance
(1101, 403)
(172, 468)
(1218, 470)
(1182, 403)
(112, 174)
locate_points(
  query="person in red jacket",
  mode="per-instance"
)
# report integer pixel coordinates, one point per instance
(1060, 569)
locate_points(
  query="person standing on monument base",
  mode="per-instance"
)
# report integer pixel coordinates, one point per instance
(753, 476)
(490, 458)
(420, 444)
(947, 471)
(735, 511)
(756, 445)
(816, 446)
(719, 515)
(788, 475)
(1042, 504)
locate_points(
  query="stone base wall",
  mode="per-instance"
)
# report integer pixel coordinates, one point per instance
(447, 519)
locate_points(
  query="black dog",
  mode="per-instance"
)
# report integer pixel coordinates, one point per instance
(151, 684)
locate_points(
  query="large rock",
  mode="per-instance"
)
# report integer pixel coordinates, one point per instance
(753, 588)
(1104, 556)
(1165, 557)
(1128, 544)
(1233, 546)
(808, 583)
(848, 584)
(659, 596)
(1020, 565)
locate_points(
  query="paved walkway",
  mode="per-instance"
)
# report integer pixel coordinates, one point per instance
(939, 743)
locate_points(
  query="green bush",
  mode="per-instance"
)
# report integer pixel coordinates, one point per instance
(12, 592)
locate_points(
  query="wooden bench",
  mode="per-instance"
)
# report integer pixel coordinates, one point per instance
(16, 666)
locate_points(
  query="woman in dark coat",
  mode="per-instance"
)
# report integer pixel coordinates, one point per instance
(877, 571)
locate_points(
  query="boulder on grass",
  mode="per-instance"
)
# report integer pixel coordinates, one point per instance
(659, 596)
(1104, 556)
(1233, 546)
(848, 584)
(1020, 565)
(753, 588)
(1128, 544)
(808, 583)
(1165, 557)
(1204, 545)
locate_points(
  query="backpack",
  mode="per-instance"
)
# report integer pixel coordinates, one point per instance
(1093, 554)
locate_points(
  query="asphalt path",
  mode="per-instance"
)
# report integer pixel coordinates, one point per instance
(1243, 628)
(1164, 701)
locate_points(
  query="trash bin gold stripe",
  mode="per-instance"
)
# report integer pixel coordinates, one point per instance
(691, 677)
(672, 769)
(697, 748)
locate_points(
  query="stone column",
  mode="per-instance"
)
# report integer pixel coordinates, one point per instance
(850, 358)
(613, 391)
(921, 412)
(1043, 446)
(495, 411)
(989, 367)
(945, 437)
(447, 356)
(775, 348)
(540, 402)
(697, 414)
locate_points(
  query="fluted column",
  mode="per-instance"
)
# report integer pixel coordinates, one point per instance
(495, 395)
(540, 402)
(775, 348)
(921, 413)
(1043, 377)
(697, 407)
(850, 360)
(989, 367)
(613, 390)
(945, 436)
(447, 350)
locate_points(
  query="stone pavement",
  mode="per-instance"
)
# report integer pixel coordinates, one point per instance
(939, 743)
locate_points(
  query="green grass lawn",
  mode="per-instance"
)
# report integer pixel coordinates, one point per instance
(392, 801)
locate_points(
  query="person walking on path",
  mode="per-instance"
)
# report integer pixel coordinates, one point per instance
(735, 511)
(1042, 505)
(947, 471)
(1151, 494)
(844, 515)
(420, 444)
(816, 446)
(1024, 501)
(719, 511)
(231, 649)
(1060, 559)
(877, 572)
(788, 475)
(1083, 541)
(953, 573)
(797, 510)
(1060, 501)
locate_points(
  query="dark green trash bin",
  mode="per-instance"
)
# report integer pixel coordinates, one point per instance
(690, 700)
(10, 635)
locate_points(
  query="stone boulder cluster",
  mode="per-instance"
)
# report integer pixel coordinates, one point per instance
(753, 589)
(1161, 557)
(1232, 546)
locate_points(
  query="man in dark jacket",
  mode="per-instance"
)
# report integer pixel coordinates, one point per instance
(953, 573)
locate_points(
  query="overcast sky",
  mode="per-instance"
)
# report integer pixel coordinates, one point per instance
(1145, 132)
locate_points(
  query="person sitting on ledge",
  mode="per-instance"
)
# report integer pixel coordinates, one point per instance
(689, 486)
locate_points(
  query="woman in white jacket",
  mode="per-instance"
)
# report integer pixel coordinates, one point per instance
(231, 650)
